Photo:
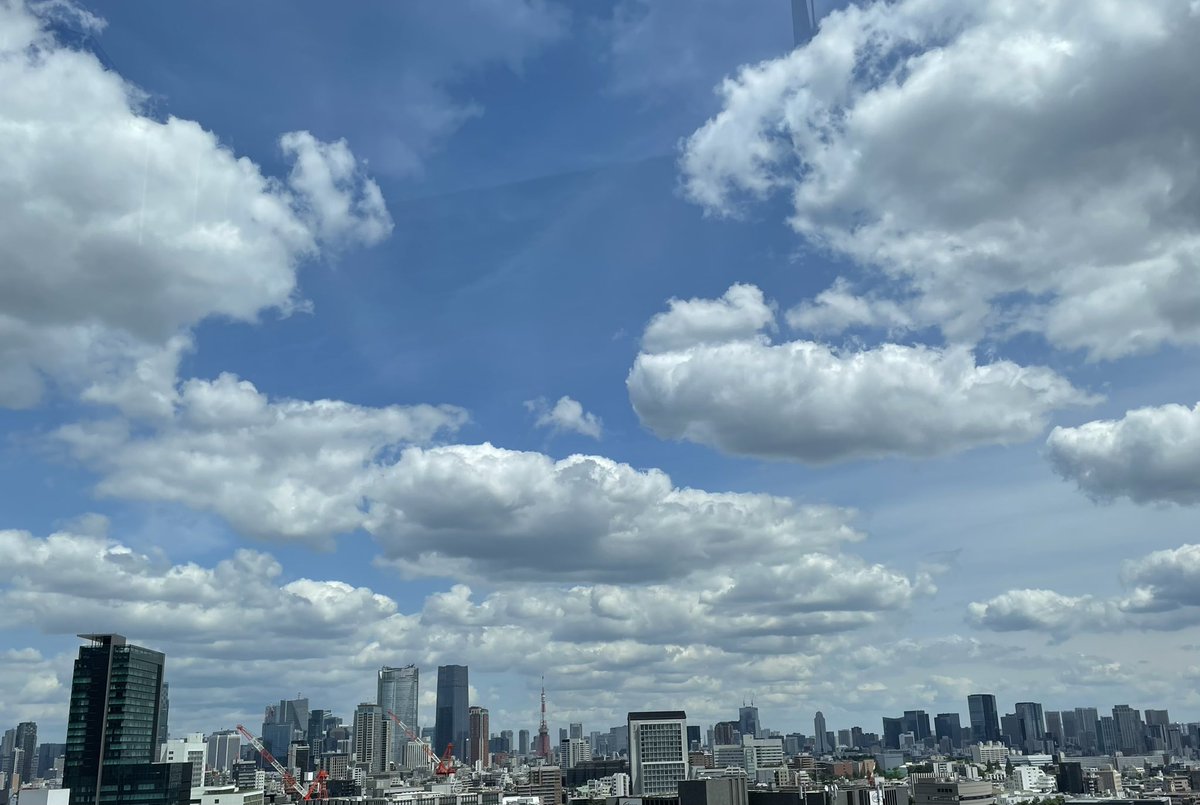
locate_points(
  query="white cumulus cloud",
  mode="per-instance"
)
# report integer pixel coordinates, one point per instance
(1000, 166)
(1150, 455)
(718, 380)
(275, 469)
(119, 231)
(566, 415)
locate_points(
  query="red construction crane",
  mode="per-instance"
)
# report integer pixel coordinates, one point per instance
(444, 765)
(289, 782)
(318, 789)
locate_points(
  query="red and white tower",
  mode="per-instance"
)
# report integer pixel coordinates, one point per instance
(542, 747)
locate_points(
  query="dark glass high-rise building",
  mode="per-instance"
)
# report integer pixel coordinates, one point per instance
(450, 723)
(748, 721)
(26, 741)
(112, 728)
(985, 719)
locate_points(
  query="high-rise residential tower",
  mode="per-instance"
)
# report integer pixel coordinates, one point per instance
(477, 735)
(112, 728)
(372, 746)
(819, 742)
(985, 719)
(450, 723)
(397, 692)
(658, 756)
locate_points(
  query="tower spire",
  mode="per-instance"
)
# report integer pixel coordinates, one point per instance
(543, 739)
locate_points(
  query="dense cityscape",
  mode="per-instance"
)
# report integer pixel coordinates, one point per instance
(119, 748)
(620, 402)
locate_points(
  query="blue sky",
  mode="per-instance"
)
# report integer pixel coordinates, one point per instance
(817, 316)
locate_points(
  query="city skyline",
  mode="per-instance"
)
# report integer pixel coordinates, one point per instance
(839, 363)
(919, 722)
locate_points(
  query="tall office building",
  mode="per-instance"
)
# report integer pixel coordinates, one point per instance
(450, 723)
(819, 743)
(1032, 725)
(658, 756)
(523, 743)
(223, 749)
(112, 728)
(948, 725)
(25, 739)
(1087, 720)
(725, 733)
(397, 692)
(985, 719)
(893, 728)
(1070, 728)
(1054, 728)
(1131, 733)
(748, 724)
(917, 722)
(477, 735)
(372, 746)
(1159, 718)
(576, 730)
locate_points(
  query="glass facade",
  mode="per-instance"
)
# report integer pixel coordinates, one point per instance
(451, 723)
(398, 693)
(113, 727)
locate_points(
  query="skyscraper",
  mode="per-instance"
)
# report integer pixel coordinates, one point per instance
(1087, 721)
(223, 749)
(1033, 725)
(576, 730)
(658, 758)
(372, 747)
(26, 740)
(523, 743)
(112, 728)
(477, 738)
(1054, 728)
(985, 720)
(819, 743)
(748, 721)
(450, 723)
(1131, 733)
(397, 692)
(948, 725)
(917, 722)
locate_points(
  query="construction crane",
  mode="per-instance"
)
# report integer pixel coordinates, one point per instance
(289, 782)
(443, 766)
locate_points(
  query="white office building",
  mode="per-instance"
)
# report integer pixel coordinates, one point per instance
(658, 751)
(190, 749)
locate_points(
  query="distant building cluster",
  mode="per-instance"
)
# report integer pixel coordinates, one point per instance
(117, 751)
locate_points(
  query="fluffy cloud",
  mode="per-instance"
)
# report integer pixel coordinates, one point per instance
(228, 626)
(1162, 595)
(119, 231)
(32, 687)
(1150, 455)
(284, 469)
(1045, 611)
(708, 374)
(566, 415)
(478, 511)
(1001, 166)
